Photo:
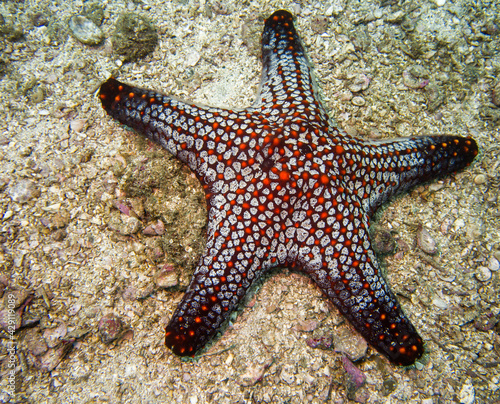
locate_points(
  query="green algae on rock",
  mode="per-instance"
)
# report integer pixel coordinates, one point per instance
(134, 36)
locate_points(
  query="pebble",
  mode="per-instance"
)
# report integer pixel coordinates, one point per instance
(480, 179)
(85, 31)
(192, 58)
(467, 393)
(446, 225)
(23, 191)
(358, 101)
(287, 374)
(78, 125)
(439, 303)
(167, 278)
(435, 96)
(382, 240)
(389, 385)
(425, 241)
(53, 336)
(358, 83)
(253, 373)
(35, 343)
(110, 328)
(39, 19)
(306, 325)
(483, 274)
(415, 77)
(356, 376)
(319, 24)
(74, 309)
(50, 359)
(134, 36)
(156, 229)
(493, 264)
(58, 221)
(485, 322)
(325, 342)
(123, 224)
(351, 344)
(458, 224)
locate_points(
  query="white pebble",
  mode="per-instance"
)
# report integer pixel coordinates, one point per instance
(483, 274)
(358, 101)
(458, 224)
(467, 394)
(493, 264)
(192, 58)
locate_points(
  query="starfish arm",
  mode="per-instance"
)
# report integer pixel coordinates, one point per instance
(236, 255)
(196, 135)
(287, 86)
(336, 253)
(380, 170)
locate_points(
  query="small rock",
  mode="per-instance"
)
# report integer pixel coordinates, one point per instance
(35, 343)
(58, 221)
(480, 179)
(50, 359)
(349, 343)
(382, 240)
(446, 225)
(358, 83)
(85, 31)
(439, 303)
(425, 241)
(253, 373)
(287, 374)
(485, 322)
(458, 224)
(324, 342)
(134, 36)
(23, 191)
(483, 274)
(319, 24)
(39, 19)
(123, 224)
(493, 264)
(388, 386)
(415, 77)
(306, 325)
(156, 229)
(53, 336)
(467, 393)
(358, 101)
(167, 277)
(192, 58)
(74, 309)
(78, 125)
(356, 377)
(435, 97)
(110, 328)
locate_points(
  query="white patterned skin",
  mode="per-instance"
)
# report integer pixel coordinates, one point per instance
(285, 187)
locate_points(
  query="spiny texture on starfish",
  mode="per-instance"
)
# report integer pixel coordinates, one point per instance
(285, 187)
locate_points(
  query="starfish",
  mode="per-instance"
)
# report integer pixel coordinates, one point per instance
(286, 187)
